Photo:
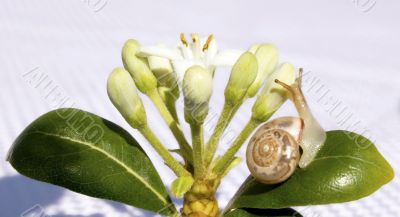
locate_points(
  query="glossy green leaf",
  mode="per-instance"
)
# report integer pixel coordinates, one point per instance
(90, 155)
(348, 167)
(245, 212)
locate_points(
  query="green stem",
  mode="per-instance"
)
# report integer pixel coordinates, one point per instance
(178, 169)
(170, 103)
(174, 212)
(172, 124)
(197, 142)
(223, 163)
(218, 130)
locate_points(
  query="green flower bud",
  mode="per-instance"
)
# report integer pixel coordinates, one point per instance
(162, 69)
(138, 67)
(123, 94)
(267, 58)
(273, 95)
(197, 89)
(242, 76)
(254, 48)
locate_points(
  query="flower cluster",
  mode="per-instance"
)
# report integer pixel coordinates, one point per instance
(295, 152)
(162, 73)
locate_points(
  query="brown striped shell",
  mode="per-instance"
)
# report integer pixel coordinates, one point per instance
(273, 152)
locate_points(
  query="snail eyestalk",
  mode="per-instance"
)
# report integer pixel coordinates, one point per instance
(273, 95)
(314, 135)
(283, 85)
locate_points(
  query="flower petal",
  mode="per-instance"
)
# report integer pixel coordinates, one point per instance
(211, 52)
(186, 52)
(180, 67)
(226, 58)
(160, 51)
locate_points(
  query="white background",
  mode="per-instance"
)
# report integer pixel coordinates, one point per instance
(350, 47)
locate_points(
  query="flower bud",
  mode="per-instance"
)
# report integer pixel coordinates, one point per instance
(273, 95)
(123, 94)
(160, 65)
(138, 67)
(197, 89)
(242, 76)
(166, 78)
(267, 58)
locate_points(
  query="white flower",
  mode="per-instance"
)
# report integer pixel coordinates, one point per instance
(203, 52)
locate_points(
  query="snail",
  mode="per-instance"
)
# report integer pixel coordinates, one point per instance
(273, 152)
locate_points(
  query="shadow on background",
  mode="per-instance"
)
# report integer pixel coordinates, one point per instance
(19, 194)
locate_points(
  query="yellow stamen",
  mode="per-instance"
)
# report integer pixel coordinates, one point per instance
(183, 39)
(207, 44)
(194, 37)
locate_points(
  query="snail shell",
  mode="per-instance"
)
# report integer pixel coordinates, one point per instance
(273, 152)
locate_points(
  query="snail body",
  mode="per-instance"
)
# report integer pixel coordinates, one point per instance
(273, 152)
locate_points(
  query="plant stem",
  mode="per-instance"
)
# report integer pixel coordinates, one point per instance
(170, 101)
(222, 123)
(178, 169)
(197, 142)
(172, 124)
(223, 163)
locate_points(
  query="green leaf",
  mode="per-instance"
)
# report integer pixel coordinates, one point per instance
(245, 212)
(181, 185)
(233, 163)
(348, 167)
(90, 155)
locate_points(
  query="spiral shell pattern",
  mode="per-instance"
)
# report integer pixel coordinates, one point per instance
(272, 154)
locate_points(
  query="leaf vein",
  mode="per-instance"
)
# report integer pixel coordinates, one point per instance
(128, 169)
